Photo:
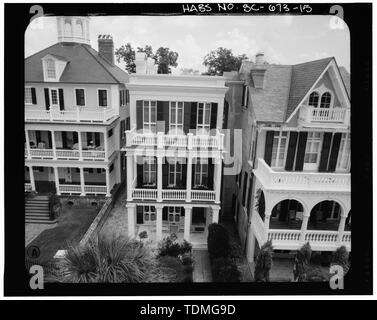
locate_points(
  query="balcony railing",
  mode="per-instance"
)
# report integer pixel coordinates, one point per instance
(65, 154)
(71, 115)
(76, 189)
(311, 115)
(302, 180)
(171, 194)
(161, 140)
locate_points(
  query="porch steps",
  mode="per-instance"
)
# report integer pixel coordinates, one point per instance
(37, 210)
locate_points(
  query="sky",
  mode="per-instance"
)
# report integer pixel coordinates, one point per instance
(283, 39)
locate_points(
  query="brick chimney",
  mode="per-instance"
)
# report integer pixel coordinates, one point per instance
(106, 47)
(258, 70)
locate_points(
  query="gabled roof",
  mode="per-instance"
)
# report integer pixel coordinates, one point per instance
(85, 65)
(285, 86)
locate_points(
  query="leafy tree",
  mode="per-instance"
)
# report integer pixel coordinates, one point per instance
(263, 263)
(217, 241)
(341, 258)
(221, 60)
(164, 57)
(302, 262)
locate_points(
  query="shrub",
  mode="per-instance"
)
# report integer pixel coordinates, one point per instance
(217, 241)
(263, 263)
(301, 264)
(170, 247)
(108, 260)
(224, 270)
(341, 258)
(316, 274)
(143, 234)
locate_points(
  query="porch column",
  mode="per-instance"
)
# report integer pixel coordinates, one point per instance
(131, 220)
(159, 178)
(250, 245)
(82, 181)
(107, 182)
(53, 143)
(158, 223)
(186, 235)
(342, 223)
(57, 181)
(32, 181)
(80, 144)
(188, 178)
(130, 174)
(106, 145)
(27, 144)
(218, 167)
(215, 215)
(267, 222)
(304, 227)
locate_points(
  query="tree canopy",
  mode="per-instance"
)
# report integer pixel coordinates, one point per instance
(221, 60)
(164, 57)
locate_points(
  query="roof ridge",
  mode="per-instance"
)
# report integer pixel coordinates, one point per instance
(38, 52)
(289, 91)
(95, 58)
(311, 61)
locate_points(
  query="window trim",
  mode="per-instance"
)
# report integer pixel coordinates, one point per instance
(201, 173)
(46, 68)
(75, 94)
(107, 97)
(57, 96)
(203, 125)
(31, 96)
(149, 170)
(149, 122)
(176, 172)
(275, 166)
(176, 128)
(341, 154)
(309, 165)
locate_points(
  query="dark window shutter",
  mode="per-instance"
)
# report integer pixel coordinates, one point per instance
(186, 117)
(61, 99)
(47, 99)
(160, 117)
(165, 213)
(325, 152)
(140, 174)
(49, 139)
(184, 176)
(250, 195)
(64, 139)
(247, 97)
(291, 151)
(139, 114)
(301, 145)
(244, 188)
(210, 174)
(75, 137)
(268, 146)
(97, 139)
(193, 175)
(139, 215)
(165, 174)
(243, 95)
(33, 96)
(213, 115)
(88, 137)
(165, 109)
(334, 151)
(194, 110)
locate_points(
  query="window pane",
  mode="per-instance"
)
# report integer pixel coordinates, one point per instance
(28, 98)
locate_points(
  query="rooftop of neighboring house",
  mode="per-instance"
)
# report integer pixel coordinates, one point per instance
(277, 90)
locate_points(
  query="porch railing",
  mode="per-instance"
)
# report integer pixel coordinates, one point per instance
(76, 189)
(171, 194)
(310, 114)
(62, 154)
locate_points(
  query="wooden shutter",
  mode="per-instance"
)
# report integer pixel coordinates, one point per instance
(210, 174)
(165, 174)
(97, 139)
(250, 195)
(186, 117)
(225, 116)
(194, 110)
(47, 98)
(213, 115)
(301, 145)
(184, 176)
(33, 96)
(325, 152)
(268, 147)
(61, 99)
(244, 188)
(193, 175)
(243, 95)
(334, 152)
(140, 174)
(75, 137)
(139, 114)
(64, 139)
(49, 138)
(165, 213)
(160, 117)
(291, 151)
(165, 108)
(139, 215)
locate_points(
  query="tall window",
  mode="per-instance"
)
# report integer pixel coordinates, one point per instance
(176, 117)
(201, 174)
(326, 100)
(51, 72)
(79, 29)
(279, 149)
(149, 213)
(312, 149)
(344, 155)
(313, 99)
(122, 96)
(149, 115)
(149, 169)
(54, 98)
(175, 173)
(204, 116)
(174, 214)
(28, 96)
(80, 97)
(102, 97)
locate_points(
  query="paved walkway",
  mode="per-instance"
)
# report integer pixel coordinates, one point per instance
(202, 267)
(281, 271)
(33, 230)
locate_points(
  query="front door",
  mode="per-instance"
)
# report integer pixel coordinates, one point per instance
(312, 151)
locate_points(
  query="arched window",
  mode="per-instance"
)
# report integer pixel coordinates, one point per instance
(79, 29)
(326, 100)
(313, 99)
(67, 27)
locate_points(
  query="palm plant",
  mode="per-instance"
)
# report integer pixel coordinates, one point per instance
(263, 263)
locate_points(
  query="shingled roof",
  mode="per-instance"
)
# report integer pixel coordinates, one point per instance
(84, 65)
(285, 86)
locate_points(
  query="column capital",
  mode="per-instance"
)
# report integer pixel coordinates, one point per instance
(159, 206)
(131, 205)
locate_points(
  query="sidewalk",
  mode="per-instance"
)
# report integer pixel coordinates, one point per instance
(202, 267)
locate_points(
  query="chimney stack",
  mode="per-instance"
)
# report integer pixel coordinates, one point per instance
(257, 71)
(106, 47)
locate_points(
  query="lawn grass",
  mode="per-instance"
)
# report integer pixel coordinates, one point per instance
(72, 224)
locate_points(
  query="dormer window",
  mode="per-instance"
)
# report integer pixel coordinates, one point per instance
(51, 71)
(320, 100)
(326, 100)
(79, 29)
(313, 99)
